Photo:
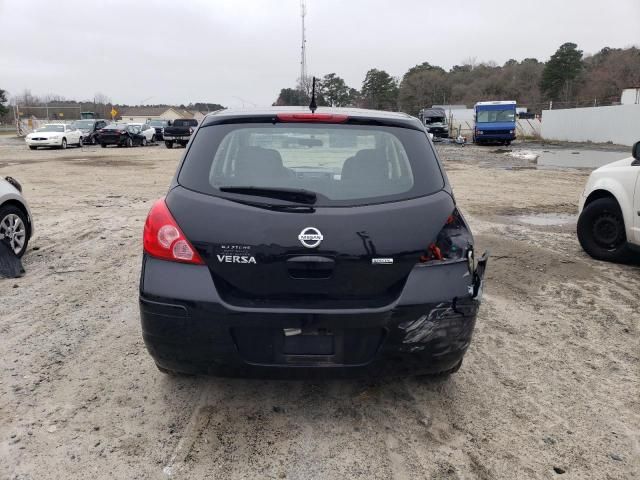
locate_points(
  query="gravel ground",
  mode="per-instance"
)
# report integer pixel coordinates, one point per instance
(549, 388)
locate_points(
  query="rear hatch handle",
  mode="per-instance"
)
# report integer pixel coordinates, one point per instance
(310, 266)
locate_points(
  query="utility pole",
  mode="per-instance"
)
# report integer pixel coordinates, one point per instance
(303, 49)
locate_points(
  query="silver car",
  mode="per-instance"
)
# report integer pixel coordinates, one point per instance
(16, 226)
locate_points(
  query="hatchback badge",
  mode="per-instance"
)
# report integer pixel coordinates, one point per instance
(310, 237)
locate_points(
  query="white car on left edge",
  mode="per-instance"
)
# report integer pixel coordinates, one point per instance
(16, 225)
(54, 135)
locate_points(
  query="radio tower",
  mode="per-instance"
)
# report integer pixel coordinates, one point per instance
(303, 51)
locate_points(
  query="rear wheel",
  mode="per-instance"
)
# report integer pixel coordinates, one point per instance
(183, 144)
(601, 231)
(13, 228)
(173, 373)
(445, 374)
(168, 144)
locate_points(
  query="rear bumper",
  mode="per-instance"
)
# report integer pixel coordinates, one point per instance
(113, 141)
(495, 136)
(176, 138)
(188, 333)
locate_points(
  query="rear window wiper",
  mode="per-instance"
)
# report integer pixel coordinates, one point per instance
(297, 195)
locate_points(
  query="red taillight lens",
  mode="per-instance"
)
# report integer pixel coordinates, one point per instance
(163, 238)
(312, 117)
(454, 242)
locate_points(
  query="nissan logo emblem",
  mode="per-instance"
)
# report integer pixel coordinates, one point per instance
(310, 237)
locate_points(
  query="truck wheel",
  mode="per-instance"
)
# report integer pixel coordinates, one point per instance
(183, 144)
(601, 231)
(168, 144)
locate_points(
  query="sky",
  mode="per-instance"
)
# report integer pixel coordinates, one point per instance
(240, 53)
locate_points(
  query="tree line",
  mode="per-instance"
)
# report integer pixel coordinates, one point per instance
(568, 79)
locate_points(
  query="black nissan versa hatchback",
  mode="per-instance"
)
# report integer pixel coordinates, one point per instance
(292, 243)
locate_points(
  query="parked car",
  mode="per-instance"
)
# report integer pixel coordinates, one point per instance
(16, 225)
(54, 135)
(609, 221)
(435, 121)
(90, 129)
(179, 132)
(122, 135)
(345, 258)
(159, 126)
(147, 131)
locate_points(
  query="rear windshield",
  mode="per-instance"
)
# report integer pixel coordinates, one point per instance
(342, 164)
(185, 123)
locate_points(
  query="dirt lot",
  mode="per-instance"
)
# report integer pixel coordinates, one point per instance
(551, 381)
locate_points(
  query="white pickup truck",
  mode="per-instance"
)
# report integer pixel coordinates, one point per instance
(609, 221)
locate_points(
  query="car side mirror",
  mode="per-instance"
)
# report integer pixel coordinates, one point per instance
(635, 153)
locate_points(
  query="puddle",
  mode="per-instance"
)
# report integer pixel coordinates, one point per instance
(578, 158)
(547, 219)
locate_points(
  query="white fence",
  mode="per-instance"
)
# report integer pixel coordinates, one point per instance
(618, 124)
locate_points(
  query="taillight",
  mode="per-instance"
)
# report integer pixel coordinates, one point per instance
(312, 117)
(163, 238)
(452, 244)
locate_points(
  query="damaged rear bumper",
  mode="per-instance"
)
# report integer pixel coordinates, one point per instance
(192, 330)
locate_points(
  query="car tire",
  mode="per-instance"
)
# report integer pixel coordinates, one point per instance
(31, 147)
(601, 231)
(444, 375)
(173, 373)
(94, 141)
(80, 142)
(103, 145)
(7, 215)
(129, 143)
(144, 141)
(63, 145)
(168, 144)
(153, 139)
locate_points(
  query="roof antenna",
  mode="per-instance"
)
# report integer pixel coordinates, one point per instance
(313, 106)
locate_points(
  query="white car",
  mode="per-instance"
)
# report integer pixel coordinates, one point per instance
(609, 222)
(147, 131)
(16, 226)
(54, 135)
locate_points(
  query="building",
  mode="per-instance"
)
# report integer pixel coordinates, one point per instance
(630, 96)
(144, 114)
